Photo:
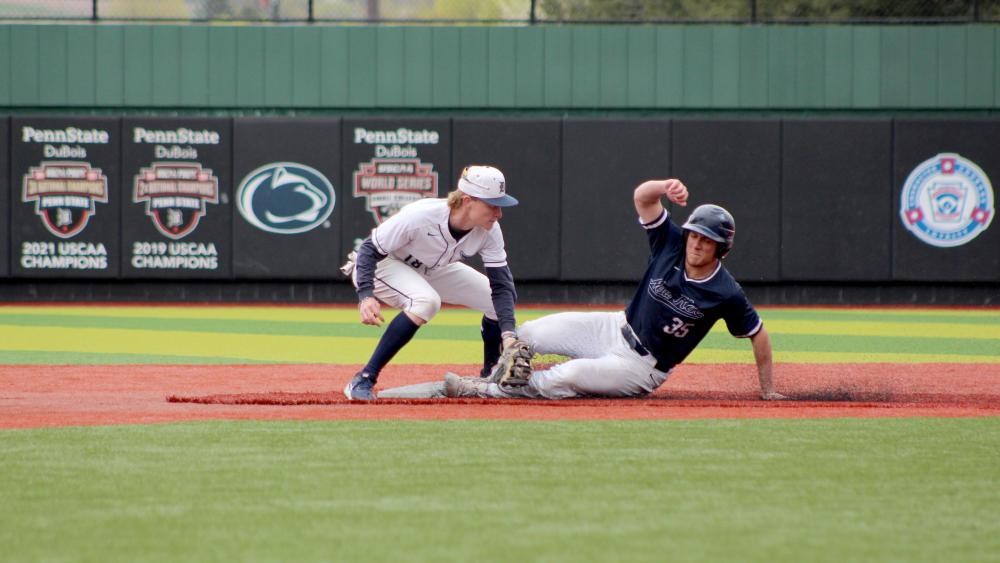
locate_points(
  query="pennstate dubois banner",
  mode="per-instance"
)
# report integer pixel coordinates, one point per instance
(65, 197)
(176, 210)
(4, 197)
(287, 180)
(389, 163)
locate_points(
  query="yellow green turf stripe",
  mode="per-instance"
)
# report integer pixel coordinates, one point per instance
(881, 328)
(708, 355)
(251, 347)
(282, 314)
(150, 334)
(894, 335)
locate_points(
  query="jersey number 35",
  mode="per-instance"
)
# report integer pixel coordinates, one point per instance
(678, 329)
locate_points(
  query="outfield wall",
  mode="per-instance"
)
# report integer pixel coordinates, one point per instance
(808, 134)
(816, 200)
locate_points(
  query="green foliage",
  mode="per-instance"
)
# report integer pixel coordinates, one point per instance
(251, 9)
(478, 10)
(682, 10)
(863, 9)
(641, 10)
(139, 9)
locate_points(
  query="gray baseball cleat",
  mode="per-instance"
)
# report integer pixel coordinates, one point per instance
(456, 386)
(361, 388)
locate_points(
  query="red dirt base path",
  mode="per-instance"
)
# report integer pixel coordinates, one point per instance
(43, 396)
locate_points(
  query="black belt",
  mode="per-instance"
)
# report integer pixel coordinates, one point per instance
(633, 341)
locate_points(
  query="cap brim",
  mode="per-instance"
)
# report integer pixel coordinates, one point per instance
(504, 201)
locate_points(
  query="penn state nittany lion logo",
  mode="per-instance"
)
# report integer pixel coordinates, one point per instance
(285, 198)
(946, 201)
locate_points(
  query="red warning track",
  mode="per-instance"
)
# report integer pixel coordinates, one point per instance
(45, 396)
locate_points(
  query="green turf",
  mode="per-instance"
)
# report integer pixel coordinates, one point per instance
(971, 315)
(68, 334)
(732, 490)
(470, 331)
(43, 357)
(848, 343)
(438, 330)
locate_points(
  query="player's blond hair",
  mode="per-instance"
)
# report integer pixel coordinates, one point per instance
(455, 199)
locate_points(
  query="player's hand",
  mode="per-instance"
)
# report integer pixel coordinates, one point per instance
(509, 339)
(676, 192)
(773, 396)
(371, 312)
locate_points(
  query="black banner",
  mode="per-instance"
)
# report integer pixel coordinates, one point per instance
(835, 210)
(65, 197)
(5, 194)
(871, 200)
(944, 200)
(177, 214)
(527, 152)
(735, 163)
(603, 162)
(288, 219)
(388, 163)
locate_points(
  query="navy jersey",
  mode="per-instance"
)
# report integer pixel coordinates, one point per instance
(672, 313)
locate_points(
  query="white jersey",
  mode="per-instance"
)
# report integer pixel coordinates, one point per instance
(419, 236)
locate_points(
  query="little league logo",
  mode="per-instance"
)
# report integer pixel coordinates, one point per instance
(387, 184)
(64, 194)
(175, 195)
(946, 201)
(285, 198)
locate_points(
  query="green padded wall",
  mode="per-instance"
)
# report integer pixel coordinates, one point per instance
(546, 67)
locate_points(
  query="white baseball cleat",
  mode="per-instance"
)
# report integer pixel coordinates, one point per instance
(456, 386)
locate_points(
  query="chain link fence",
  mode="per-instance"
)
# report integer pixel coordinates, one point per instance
(511, 11)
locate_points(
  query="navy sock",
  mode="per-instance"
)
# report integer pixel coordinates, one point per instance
(396, 335)
(491, 344)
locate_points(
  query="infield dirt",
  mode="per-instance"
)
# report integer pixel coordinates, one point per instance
(43, 396)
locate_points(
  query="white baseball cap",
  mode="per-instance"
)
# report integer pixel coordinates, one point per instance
(485, 183)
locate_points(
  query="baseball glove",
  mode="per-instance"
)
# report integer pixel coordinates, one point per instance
(514, 365)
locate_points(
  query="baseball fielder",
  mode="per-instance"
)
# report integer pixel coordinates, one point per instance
(630, 353)
(411, 262)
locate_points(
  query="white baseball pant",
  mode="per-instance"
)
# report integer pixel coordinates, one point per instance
(603, 363)
(422, 292)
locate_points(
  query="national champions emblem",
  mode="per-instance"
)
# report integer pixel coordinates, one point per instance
(387, 184)
(285, 198)
(175, 195)
(64, 194)
(946, 201)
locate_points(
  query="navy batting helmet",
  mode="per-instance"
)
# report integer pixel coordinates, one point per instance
(715, 223)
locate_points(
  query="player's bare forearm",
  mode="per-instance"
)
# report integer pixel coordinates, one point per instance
(647, 197)
(765, 365)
